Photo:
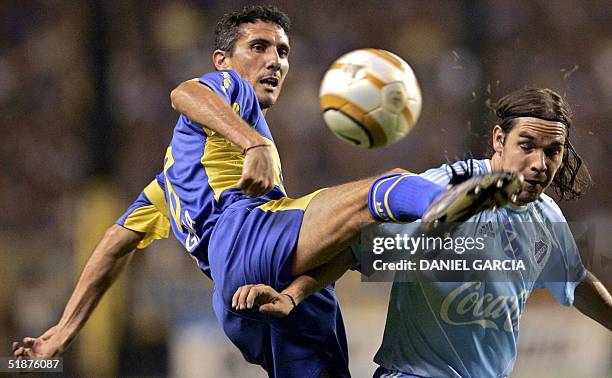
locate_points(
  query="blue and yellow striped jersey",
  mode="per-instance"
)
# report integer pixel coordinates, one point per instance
(202, 168)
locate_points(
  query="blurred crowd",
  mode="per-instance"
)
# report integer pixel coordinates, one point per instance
(84, 100)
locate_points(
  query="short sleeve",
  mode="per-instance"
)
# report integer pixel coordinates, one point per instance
(444, 173)
(563, 270)
(226, 84)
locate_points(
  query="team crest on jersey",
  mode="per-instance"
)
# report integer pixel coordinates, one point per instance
(540, 251)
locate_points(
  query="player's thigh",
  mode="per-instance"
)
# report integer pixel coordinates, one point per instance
(331, 220)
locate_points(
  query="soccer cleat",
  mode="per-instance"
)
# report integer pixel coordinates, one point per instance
(479, 193)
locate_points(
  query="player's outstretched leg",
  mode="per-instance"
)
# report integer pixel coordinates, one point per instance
(335, 216)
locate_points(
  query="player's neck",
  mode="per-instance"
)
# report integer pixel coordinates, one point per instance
(495, 163)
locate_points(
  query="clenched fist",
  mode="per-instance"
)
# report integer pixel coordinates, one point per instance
(257, 171)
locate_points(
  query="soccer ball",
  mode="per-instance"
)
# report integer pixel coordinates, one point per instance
(370, 98)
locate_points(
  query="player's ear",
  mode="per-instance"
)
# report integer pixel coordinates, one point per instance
(498, 139)
(219, 59)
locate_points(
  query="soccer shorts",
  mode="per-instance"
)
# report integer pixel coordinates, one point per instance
(148, 214)
(255, 244)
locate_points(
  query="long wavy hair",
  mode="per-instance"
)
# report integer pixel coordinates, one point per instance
(572, 178)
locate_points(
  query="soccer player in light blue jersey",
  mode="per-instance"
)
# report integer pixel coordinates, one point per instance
(221, 193)
(470, 329)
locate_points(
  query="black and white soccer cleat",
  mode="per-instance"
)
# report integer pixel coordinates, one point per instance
(479, 193)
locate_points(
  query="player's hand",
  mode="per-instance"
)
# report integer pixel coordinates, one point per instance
(269, 300)
(257, 171)
(46, 346)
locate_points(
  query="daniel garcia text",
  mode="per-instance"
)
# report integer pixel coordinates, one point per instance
(450, 265)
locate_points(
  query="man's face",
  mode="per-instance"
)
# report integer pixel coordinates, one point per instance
(261, 57)
(533, 147)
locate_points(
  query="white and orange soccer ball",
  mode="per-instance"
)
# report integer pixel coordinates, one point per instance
(370, 98)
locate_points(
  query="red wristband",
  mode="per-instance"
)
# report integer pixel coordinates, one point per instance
(255, 146)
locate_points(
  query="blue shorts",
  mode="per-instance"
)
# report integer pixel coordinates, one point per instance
(255, 244)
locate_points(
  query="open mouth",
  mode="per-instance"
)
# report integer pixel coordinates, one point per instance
(270, 82)
(533, 185)
(534, 182)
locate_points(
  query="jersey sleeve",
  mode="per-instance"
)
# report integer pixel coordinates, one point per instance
(231, 87)
(564, 269)
(443, 174)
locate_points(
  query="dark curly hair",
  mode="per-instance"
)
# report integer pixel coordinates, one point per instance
(572, 178)
(227, 31)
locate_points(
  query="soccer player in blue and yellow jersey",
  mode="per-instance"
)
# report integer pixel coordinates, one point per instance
(221, 193)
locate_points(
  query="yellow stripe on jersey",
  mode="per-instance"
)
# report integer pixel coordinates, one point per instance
(150, 219)
(289, 203)
(175, 202)
(156, 196)
(223, 161)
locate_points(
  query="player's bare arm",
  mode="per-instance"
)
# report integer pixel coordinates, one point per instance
(593, 299)
(106, 263)
(201, 105)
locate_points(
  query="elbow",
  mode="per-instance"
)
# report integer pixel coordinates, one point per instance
(188, 95)
(175, 96)
(118, 242)
(180, 94)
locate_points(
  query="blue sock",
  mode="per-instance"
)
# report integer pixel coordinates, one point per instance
(401, 197)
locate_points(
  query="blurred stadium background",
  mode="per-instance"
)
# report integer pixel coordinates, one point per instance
(85, 118)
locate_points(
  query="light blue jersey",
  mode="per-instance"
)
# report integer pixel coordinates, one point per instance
(471, 329)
